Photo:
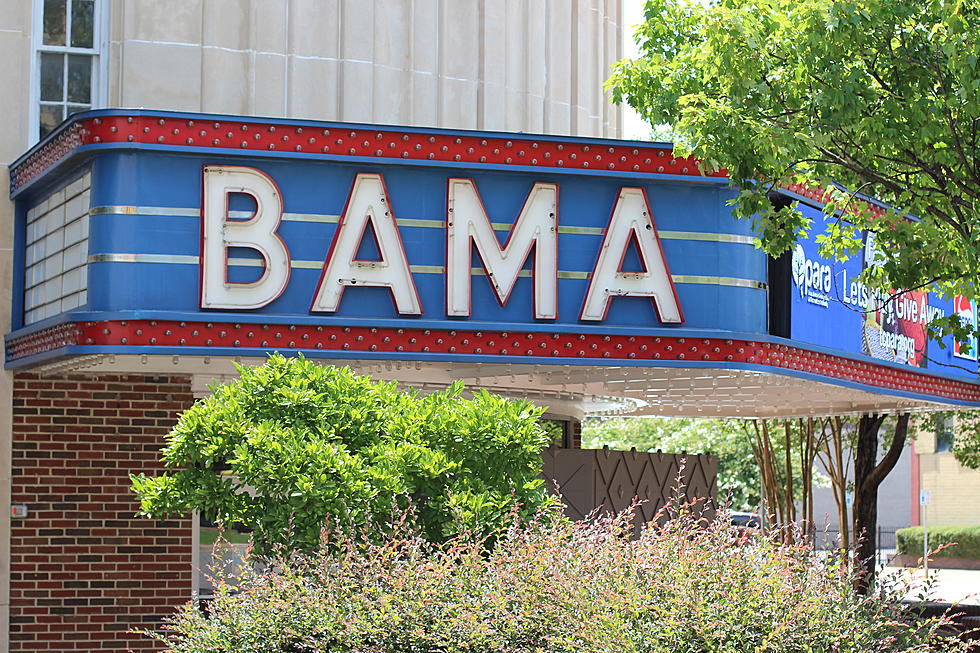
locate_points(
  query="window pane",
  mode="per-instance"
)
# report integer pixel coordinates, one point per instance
(75, 108)
(53, 77)
(82, 23)
(51, 117)
(54, 22)
(79, 78)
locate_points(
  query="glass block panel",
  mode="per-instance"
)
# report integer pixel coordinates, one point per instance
(73, 281)
(75, 256)
(82, 23)
(33, 254)
(76, 205)
(51, 290)
(52, 309)
(56, 253)
(54, 218)
(52, 77)
(55, 12)
(73, 232)
(41, 225)
(53, 267)
(55, 240)
(79, 79)
(33, 276)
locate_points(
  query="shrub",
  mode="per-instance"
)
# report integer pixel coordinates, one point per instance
(554, 586)
(958, 541)
(291, 444)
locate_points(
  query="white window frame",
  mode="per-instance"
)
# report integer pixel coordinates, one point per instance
(99, 50)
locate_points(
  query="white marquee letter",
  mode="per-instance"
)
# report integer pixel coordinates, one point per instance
(257, 233)
(368, 204)
(468, 225)
(631, 219)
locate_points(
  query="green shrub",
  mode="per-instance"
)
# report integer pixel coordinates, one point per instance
(554, 586)
(958, 541)
(292, 444)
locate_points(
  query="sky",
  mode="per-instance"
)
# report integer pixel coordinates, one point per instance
(634, 127)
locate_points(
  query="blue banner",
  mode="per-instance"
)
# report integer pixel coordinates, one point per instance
(831, 307)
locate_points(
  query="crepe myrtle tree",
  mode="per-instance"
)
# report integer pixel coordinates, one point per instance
(291, 447)
(881, 97)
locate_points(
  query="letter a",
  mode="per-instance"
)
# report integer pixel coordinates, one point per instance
(257, 233)
(368, 204)
(468, 225)
(631, 220)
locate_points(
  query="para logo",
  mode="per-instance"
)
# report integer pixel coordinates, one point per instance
(813, 278)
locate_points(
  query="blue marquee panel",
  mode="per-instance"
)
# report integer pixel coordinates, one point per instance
(831, 309)
(157, 181)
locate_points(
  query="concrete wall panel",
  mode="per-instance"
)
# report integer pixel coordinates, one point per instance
(483, 64)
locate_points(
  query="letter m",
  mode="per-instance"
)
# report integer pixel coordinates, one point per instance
(468, 225)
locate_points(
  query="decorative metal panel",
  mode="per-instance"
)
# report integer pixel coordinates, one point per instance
(588, 480)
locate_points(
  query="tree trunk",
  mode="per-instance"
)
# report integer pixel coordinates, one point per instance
(843, 520)
(868, 475)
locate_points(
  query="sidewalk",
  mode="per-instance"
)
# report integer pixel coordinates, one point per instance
(947, 585)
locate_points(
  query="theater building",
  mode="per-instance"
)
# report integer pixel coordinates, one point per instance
(423, 190)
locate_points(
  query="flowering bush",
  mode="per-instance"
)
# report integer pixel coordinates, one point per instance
(550, 586)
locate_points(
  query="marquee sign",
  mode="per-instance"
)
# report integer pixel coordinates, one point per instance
(832, 308)
(368, 213)
(219, 235)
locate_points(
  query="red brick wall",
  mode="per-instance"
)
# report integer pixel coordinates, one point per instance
(84, 568)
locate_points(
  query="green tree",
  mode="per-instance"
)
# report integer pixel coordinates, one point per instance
(877, 96)
(738, 473)
(292, 446)
(880, 96)
(961, 429)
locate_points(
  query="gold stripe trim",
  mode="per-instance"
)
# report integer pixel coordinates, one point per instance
(427, 269)
(417, 222)
(582, 231)
(417, 269)
(719, 281)
(307, 217)
(709, 237)
(144, 210)
(143, 258)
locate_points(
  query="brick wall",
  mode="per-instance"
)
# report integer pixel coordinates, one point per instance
(950, 483)
(84, 569)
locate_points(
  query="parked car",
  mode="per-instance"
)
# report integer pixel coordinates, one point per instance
(747, 520)
(748, 524)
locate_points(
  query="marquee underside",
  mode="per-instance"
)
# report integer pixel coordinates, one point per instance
(567, 390)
